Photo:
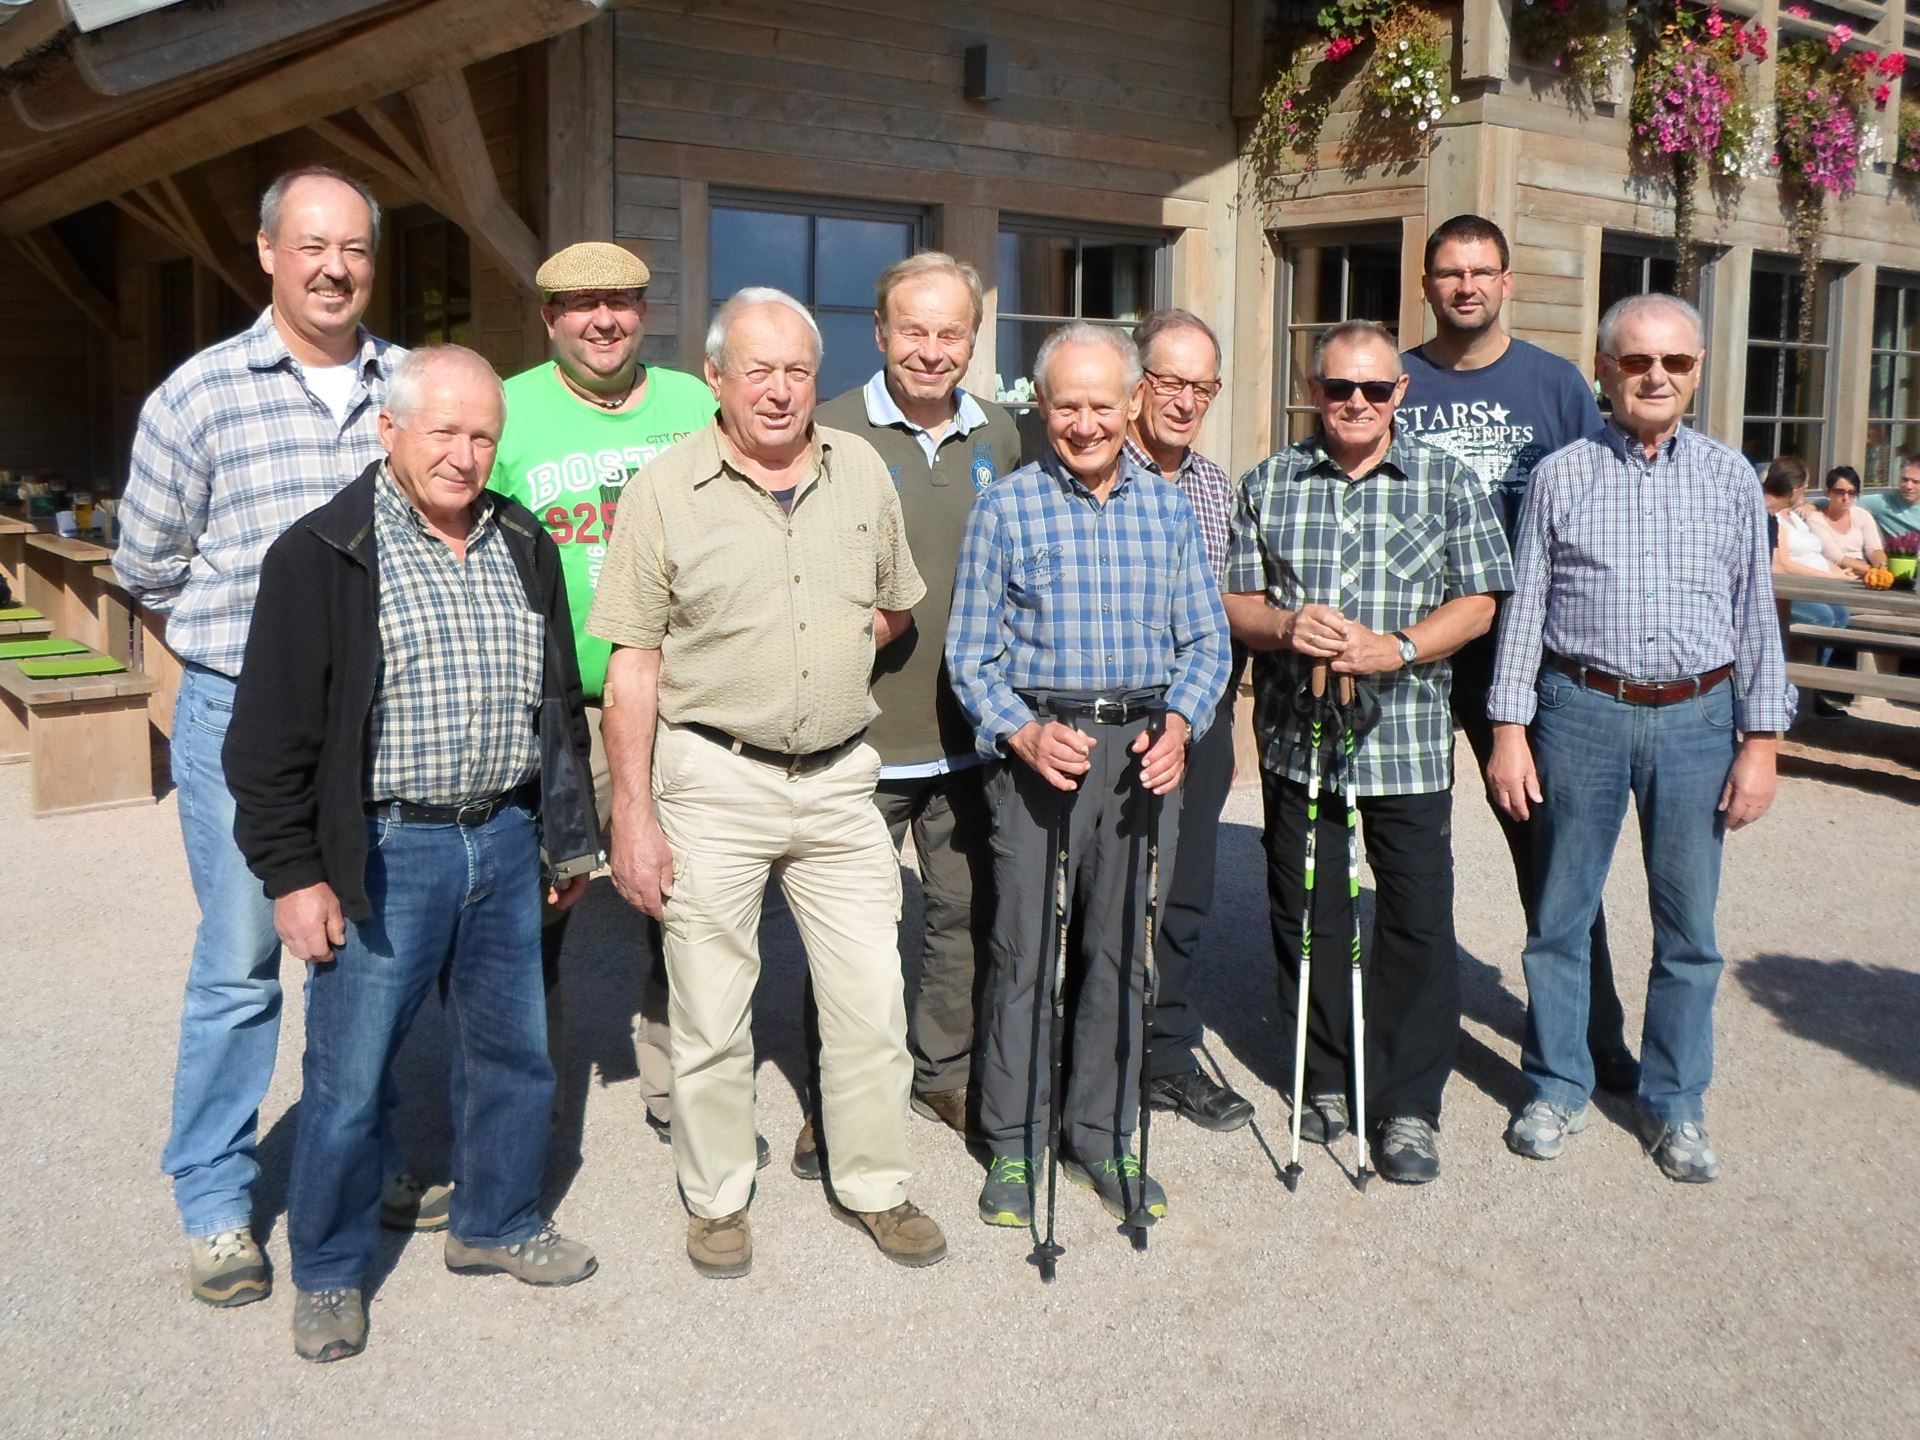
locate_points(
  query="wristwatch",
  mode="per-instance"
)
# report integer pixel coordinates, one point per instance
(1409, 652)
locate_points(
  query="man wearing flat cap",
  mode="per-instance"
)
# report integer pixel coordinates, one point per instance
(579, 425)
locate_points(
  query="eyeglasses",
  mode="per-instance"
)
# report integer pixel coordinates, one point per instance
(1168, 386)
(1378, 392)
(1641, 364)
(1480, 275)
(1846, 490)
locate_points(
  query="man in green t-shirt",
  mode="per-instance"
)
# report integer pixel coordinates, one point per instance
(577, 428)
(1898, 512)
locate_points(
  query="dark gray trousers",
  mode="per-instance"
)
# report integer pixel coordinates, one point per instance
(1185, 901)
(1107, 893)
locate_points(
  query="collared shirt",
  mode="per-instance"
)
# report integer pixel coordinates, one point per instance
(1647, 569)
(763, 619)
(231, 449)
(1066, 592)
(456, 700)
(882, 409)
(1386, 548)
(1210, 491)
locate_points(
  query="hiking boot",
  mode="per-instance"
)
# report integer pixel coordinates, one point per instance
(949, 1107)
(762, 1152)
(1407, 1152)
(1007, 1197)
(1680, 1150)
(1616, 1071)
(228, 1269)
(809, 1155)
(1325, 1119)
(329, 1325)
(406, 1204)
(1119, 1183)
(720, 1249)
(1540, 1130)
(545, 1258)
(1197, 1096)
(905, 1234)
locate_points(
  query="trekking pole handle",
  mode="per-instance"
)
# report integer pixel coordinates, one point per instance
(1346, 690)
(1319, 680)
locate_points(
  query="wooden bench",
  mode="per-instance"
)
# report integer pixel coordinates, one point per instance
(61, 582)
(1855, 682)
(1881, 641)
(13, 550)
(85, 736)
(24, 629)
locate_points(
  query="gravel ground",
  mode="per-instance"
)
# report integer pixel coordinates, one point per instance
(1585, 1297)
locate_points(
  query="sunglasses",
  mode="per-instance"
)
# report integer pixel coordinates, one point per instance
(1846, 490)
(1378, 392)
(1641, 364)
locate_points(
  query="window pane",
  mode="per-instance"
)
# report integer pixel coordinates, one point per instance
(1886, 316)
(1018, 343)
(1772, 314)
(1373, 284)
(1662, 275)
(1805, 388)
(852, 253)
(1116, 280)
(1043, 274)
(1880, 386)
(1802, 440)
(1756, 441)
(850, 354)
(1620, 277)
(1007, 274)
(1319, 285)
(1299, 367)
(1763, 380)
(759, 247)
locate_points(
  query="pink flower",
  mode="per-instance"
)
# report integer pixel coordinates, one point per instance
(1881, 96)
(1861, 61)
(1893, 63)
(1340, 48)
(1800, 12)
(1715, 25)
(1838, 39)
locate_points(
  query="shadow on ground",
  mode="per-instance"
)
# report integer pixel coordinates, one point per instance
(1868, 1013)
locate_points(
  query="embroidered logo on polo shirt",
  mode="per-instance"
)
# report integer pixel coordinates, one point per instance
(982, 466)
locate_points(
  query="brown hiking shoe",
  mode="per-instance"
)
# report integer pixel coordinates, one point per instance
(407, 1203)
(809, 1155)
(949, 1107)
(545, 1258)
(329, 1325)
(228, 1269)
(720, 1249)
(905, 1234)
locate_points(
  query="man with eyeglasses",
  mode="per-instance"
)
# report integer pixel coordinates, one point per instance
(1365, 549)
(1180, 358)
(577, 426)
(1499, 406)
(1642, 648)
(1898, 513)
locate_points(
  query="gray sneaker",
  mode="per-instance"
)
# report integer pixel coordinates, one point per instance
(1119, 1183)
(228, 1269)
(408, 1204)
(329, 1325)
(1408, 1152)
(1325, 1119)
(1681, 1151)
(544, 1259)
(1007, 1197)
(1541, 1128)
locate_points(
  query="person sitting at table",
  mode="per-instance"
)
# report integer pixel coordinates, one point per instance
(1851, 530)
(1800, 550)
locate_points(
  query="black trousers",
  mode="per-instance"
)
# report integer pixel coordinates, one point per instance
(1412, 975)
(1472, 678)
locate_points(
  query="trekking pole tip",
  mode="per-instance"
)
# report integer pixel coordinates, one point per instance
(1360, 1179)
(1290, 1177)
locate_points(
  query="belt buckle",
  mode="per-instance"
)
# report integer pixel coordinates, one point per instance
(478, 809)
(1108, 712)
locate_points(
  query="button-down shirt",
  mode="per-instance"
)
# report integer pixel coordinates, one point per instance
(883, 410)
(1386, 548)
(1210, 491)
(231, 449)
(456, 701)
(1648, 570)
(763, 618)
(1060, 591)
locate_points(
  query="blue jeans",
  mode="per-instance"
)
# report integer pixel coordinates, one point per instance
(1819, 612)
(454, 904)
(230, 1021)
(1592, 753)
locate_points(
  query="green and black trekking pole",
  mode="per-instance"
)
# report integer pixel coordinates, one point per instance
(1348, 725)
(1314, 769)
(1047, 1252)
(1139, 1218)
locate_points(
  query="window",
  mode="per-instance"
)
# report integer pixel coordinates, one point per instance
(1634, 265)
(828, 257)
(1786, 380)
(436, 278)
(1322, 284)
(1893, 391)
(1048, 276)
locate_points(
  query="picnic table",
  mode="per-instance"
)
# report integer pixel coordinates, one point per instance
(1883, 622)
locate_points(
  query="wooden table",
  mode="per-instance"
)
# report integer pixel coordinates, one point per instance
(85, 736)
(62, 585)
(1864, 604)
(1883, 620)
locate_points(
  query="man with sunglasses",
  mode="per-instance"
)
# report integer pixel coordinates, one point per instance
(1641, 647)
(1180, 357)
(1500, 406)
(1365, 549)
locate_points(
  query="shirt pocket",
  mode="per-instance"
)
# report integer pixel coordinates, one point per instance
(1146, 595)
(518, 644)
(856, 565)
(1412, 549)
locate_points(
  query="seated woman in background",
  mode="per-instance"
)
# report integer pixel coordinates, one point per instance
(1852, 531)
(1801, 551)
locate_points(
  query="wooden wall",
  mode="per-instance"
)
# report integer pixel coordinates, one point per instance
(54, 366)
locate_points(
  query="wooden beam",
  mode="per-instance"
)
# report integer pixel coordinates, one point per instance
(171, 211)
(354, 138)
(168, 45)
(372, 62)
(45, 251)
(457, 148)
(579, 130)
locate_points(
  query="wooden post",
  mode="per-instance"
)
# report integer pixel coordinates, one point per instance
(1726, 373)
(1851, 380)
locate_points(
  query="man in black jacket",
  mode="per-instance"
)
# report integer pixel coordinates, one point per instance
(408, 736)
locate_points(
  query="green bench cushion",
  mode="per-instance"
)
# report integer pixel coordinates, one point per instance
(61, 669)
(40, 648)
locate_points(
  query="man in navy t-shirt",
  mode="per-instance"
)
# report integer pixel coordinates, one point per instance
(1500, 406)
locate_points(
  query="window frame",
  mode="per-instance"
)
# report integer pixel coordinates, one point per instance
(1825, 343)
(405, 225)
(1646, 249)
(1286, 245)
(1906, 285)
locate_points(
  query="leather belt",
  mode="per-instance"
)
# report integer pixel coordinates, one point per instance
(792, 764)
(1639, 692)
(474, 812)
(1109, 707)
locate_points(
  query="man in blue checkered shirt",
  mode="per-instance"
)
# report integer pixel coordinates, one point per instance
(1380, 556)
(1086, 645)
(237, 444)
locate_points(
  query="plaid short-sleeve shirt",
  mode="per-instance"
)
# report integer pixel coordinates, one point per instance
(1386, 548)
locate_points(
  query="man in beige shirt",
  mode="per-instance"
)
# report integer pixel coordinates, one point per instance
(758, 566)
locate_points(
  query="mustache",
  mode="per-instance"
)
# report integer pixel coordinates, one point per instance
(330, 287)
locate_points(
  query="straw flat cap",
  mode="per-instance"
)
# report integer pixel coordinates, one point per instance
(592, 265)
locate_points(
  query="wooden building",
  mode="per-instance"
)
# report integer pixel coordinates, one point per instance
(1084, 154)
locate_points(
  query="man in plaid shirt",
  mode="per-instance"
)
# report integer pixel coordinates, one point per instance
(1364, 549)
(238, 443)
